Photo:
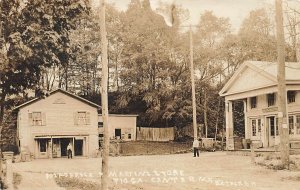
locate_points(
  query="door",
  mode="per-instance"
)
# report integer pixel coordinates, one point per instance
(78, 144)
(43, 148)
(271, 130)
(118, 133)
(63, 144)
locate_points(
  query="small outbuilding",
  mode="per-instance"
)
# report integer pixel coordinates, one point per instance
(121, 126)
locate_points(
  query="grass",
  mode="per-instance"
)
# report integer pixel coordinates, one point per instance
(75, 183)
(273, 161)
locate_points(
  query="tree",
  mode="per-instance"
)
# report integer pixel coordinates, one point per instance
(257, 37)
(210, 34)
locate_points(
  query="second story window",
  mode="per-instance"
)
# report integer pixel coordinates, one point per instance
(291, 96)
(37, 119)
(253, 102)
(82, 118)
(271, 99)
(100, 124)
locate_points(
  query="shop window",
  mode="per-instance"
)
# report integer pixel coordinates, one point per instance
(253, 102)
(271, 99)
(291, 95)
(43, 145)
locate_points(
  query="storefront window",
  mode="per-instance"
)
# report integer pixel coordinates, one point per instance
(43, 145)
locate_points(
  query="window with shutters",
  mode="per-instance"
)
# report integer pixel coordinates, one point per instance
(82, 118)
(37, 119)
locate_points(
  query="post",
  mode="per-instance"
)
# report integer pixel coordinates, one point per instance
(282, 110)
(73, 146)
(229, 125)
(193, 84)
(51, 148)
(104, 98)
(252, 153)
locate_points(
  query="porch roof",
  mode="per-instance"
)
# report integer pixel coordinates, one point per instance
(257, 77)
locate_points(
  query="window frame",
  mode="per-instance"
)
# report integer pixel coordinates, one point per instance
(253, 128)
(271, 99)
(43, 142)
(100, 124)
(291, 96)
(37, 119)
(82, 118)
(253, 102)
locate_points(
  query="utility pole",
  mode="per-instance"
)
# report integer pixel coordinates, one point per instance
(282, 97)
(104, 97)
(193, 84)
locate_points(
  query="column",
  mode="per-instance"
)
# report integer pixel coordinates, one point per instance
(9, 172)
(245, 119)
(229, 126)
(73, 147)
(51, 148)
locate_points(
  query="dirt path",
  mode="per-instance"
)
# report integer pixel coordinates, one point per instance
(35, 180)
(211, 171)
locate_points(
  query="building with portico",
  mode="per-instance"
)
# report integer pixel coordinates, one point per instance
(255, 83)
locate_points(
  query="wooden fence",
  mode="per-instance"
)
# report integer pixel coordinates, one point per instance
(155, 134)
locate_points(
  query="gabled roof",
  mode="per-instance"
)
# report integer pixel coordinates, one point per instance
(263, 70)
(56, 91)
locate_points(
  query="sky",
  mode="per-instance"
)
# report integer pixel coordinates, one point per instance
(235, 10)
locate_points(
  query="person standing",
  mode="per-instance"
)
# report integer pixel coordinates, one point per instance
(69, 150)
(196, 147)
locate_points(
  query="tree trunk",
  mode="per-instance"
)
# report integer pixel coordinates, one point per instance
(205, 112)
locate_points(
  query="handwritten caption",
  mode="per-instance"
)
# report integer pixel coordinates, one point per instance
(154, 176)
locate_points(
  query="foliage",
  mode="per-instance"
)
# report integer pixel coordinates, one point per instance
(48, 44)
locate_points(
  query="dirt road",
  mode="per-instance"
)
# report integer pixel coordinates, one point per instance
(210, 171)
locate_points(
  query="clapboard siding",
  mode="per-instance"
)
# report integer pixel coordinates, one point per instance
(58, 110)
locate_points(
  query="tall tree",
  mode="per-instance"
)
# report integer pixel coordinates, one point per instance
(257, 36)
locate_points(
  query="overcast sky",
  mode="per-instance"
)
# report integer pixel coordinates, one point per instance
(235, 10)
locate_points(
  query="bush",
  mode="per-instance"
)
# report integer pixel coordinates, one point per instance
(10, 148)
